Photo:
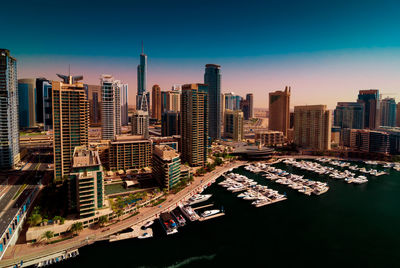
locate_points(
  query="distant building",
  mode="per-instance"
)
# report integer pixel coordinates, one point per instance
(47, 105)
(27, 102)
(250, 102)
(245, 108)
(40, 99)
(270, 137)
(142, 83)
(370, 99)
(170, 123)
(374, 141)
(170, 101)
(212, 78)
(398, 115)
(234, 125)
(94, 97)
(140, 123)
(130, 152)
(166, 166)
(312, 127)
(156, 102)
(232, 101)
(194, 124)
(388, 112)
(9, 125)
(349, 115)
(70, 124)
(279, 110)
(86, 178)
(124, 105)
(110, 107)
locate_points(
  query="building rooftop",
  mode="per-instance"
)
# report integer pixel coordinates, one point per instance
(84, 157)
(165, 152)
(129, 139)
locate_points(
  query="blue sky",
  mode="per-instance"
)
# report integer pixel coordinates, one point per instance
(261, 45)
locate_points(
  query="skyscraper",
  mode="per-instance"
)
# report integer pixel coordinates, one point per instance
(94, 97)
(232, 101)
(312, 127)
(40, 99)
(349, 115)
(9, 132)
(156, 102)
(170, 124)
(124, 105)
(110, 107)
(233, 127)
(140, 123)
(27, 102)
(70, 123)
(388, 112)
(249, 98)
(212, 78)
(194, 125)
(142, 98)
(279, 110)
(370, 99)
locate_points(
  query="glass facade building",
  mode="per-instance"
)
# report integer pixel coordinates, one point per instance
(370, 99)
(349, 115)
(212, 78)
(27, 102)
(388, 112)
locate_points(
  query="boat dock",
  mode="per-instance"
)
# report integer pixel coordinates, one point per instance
(205, 206)
(211, 217)
(271, 202)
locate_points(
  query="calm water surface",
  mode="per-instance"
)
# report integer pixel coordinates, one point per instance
(349, 226)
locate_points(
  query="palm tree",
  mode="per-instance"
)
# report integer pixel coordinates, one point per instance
(103, 220)
(48, 235)
(76, 227)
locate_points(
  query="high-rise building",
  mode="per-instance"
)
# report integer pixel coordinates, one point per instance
(370, 99)
(212, 78)
(349, 115)
(170, 124)
(142, 97)
(110, 107)
(312, 127)
(279, 110)
(86, 182)
(234, 125)
(166, 166)
(40, 99)
(140, 123)
(245, 107)
(194, 124)
(47, 105)
(27, 102)
(9, 131)
(174, 100)
(388, 112)
(232, 101)
(70, 123)
(124, 105)
(130, 152)
(94, 97)
(398, 115)
(156, 102)
(249, 99)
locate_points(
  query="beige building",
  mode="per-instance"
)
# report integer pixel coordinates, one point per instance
(194, 124)
(270, 137)
(130, 152)
(156, 102)
(312, 127)
(233, 125)
(70, 124)
(279, 110)
(173, 100)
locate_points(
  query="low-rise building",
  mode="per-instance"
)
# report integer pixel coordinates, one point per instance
(166, 166)
(270, 137)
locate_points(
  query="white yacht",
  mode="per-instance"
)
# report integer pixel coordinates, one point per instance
(198, 198)
(209, 213)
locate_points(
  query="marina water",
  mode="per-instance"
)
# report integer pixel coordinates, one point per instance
(349, 226)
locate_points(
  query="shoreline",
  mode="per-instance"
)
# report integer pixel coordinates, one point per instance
(18, 253)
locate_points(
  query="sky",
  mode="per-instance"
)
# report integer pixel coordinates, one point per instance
(325, 50)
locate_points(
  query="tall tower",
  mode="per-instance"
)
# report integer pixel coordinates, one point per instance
(142, 97)
(249, 98)
(9, 132)
(370, 99)
(110, 107)
(124, 105)
(312, 127)
(349, 115)
(388, 112)
(212, 78)
(70, 123)
(194, 125)
(27, 102)
(279, 110)
(156, 102)
(140, 123)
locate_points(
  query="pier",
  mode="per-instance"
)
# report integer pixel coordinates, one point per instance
(211, 217)
(205, 206)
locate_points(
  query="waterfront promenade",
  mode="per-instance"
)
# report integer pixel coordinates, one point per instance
(30, 253)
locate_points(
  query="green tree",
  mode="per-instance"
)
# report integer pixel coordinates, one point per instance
(76, 227)
(34, 219)
(48, 235)
(103, 220)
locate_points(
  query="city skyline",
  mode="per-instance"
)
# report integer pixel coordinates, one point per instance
(273, 46)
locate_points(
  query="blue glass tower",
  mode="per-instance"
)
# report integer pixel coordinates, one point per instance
(212, 78)
(370, 99)
(388, 112)
(142, 97)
